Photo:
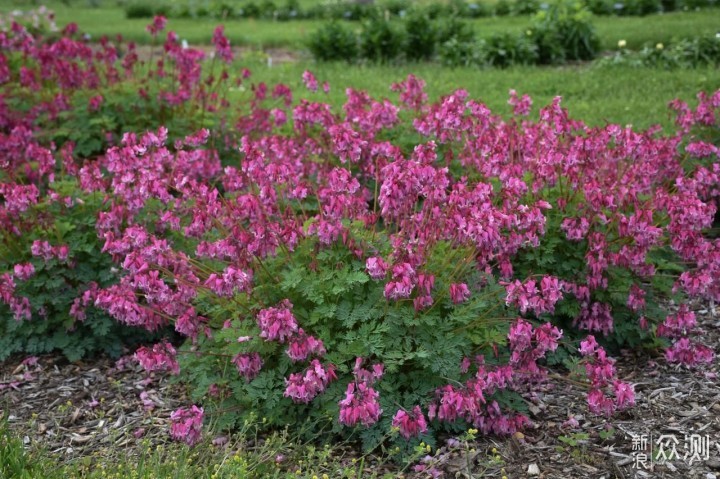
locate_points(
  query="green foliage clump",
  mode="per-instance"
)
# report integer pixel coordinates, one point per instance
(421, 35)
(381, 40)
(139, 10)
(334, 42)
(564, 33)
(504, 49)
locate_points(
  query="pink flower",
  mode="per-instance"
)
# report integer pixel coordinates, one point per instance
(304, 387)
(459, 293)
(186, 425)
(310, 81)
(277, 323)
(624, 394)
(222, 45)
(588, 346)
(95, 103)
(685, 352)
(157, 25)
(160, 358)
(410, 424)
(599, 403)
(248, 364)
(376, 267)
(23, 272)
(302, 345)
(360, 405)
(521, 106)
(679, 324)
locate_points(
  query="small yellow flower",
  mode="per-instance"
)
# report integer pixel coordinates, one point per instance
(622, 44)
(659, 46)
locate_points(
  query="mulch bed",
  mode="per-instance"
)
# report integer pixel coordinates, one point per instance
(95, 409)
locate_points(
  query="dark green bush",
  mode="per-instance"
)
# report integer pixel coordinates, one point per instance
(601, 7)
(505, 49)
(525, 7)
(250, 10)
(478, 10)
(381, 40)
(458, 8)
(640, 7)
(671, 5)
(421, 36)
(695, 4)
(222, 9)
(454, 28)
(139, 10)
(503, 8)
(456, 53)
(564, 33)
(334, 41)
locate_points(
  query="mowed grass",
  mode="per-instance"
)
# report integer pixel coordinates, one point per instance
(109, 19)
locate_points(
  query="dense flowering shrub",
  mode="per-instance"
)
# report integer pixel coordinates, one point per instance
(325, 276)
(65, 100)
(305, 284)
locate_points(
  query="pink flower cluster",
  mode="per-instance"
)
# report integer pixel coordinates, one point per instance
(527, 345)
(528, 297)
(304, 387)
(410, 424)
(186, 425)
(678, 327)
(277, 323)
(248, 364)
(600, 370)
(161, 357)
(361, 403)
(44, 250)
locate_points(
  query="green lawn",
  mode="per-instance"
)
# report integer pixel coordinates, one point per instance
(110, 19)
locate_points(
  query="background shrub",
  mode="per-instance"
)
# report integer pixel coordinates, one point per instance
(525, 7)
(139, 10)
(505, 49)
(454, 53)
(334, 41)
(381, 40)
(421, 36)
(455, 28)
(564, 33)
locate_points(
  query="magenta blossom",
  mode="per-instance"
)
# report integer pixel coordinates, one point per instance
(410, 424)
(459, 293)
(186, 425)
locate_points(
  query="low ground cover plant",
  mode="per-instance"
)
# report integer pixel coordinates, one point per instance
(390, 272)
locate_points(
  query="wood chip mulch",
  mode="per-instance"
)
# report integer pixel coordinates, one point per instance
(99, 409)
